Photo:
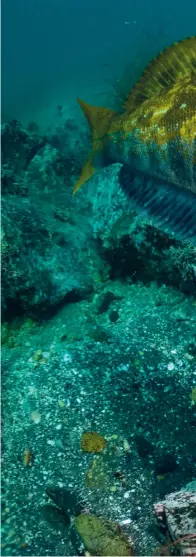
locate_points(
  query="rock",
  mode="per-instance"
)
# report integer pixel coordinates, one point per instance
(19, 146)
(56, 518)
(104, 301)
(102, 537)
(131, 245)
(92, 442)
(38, 268)
(48, 252)
(145, 449)
(178, 510)
(165, 464)
(113, 316)
(66, 500)
(97, 475)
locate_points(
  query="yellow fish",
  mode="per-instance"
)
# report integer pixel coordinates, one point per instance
(155, 140)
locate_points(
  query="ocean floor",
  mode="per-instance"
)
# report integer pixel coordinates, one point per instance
(98, 337)
(121, 365)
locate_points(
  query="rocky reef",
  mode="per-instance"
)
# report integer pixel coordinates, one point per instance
(55, 246)
(98, 355)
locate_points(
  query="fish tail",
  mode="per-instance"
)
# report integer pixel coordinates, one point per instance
(99, 120)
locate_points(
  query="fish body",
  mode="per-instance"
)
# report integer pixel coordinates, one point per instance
(159, 138)
(154, 139)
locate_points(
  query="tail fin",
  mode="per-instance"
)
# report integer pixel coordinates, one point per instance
(99, 121)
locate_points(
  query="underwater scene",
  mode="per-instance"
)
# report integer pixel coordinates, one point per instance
(98, 276)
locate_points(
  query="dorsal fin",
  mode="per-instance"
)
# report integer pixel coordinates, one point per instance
(178, 60)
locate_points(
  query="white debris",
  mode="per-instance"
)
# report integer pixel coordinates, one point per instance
(126, 494)
(170, 366)
(36, 417)
(67, 358)
(126, 521)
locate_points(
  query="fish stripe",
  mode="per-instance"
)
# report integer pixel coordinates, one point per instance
(171, 208)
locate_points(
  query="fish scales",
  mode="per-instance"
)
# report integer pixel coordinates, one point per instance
(160, 136)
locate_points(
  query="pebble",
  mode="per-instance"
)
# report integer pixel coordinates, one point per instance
(126, 494)
(170, 366)
(126, 445)
(46, 355)
(67, 357)
(36, 417)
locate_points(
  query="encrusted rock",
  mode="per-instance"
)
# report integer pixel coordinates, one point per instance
(178, 510)
(102, 537)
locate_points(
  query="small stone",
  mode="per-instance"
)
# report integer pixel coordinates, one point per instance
(126, 495)
(36, 417)
(170, 366)
(46, 355)
(67, 358)
(189, 356)
(37, 355)
(61, 403)
(126, 445)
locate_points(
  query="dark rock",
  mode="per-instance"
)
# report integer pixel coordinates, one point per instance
(144, 448)
(114, 316)
(66, 500)
(105, 300)
(56, 517)
(98, 334)
(19, 146)
(165, 464)
(192, 348)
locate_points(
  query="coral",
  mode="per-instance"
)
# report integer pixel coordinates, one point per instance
(102, 537)
(92, 442)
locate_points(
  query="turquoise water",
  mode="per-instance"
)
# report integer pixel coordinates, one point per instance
(54, 51)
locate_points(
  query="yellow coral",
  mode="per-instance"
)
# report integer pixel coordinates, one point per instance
(92, 442)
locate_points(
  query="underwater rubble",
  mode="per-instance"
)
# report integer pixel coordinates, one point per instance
(98, 357)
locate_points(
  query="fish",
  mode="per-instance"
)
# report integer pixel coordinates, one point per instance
(154, 140)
